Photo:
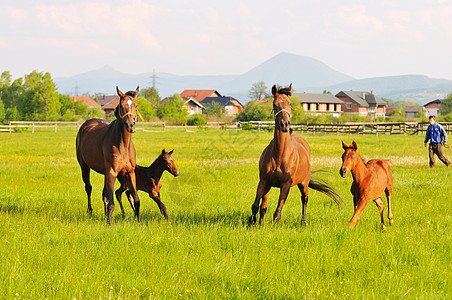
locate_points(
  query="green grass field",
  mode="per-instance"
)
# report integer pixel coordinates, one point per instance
(51, 248)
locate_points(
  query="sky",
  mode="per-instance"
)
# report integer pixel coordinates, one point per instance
(202, 37)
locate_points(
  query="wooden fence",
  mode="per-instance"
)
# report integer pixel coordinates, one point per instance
(353, 128)
(348, 128)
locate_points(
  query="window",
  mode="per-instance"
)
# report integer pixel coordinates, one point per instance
(228, 108)
(349, 106)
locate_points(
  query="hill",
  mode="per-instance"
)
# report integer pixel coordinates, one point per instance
(305, 73)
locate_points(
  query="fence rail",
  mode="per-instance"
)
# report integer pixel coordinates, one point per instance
(409, 128)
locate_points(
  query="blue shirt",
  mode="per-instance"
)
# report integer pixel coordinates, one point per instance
(436, 134)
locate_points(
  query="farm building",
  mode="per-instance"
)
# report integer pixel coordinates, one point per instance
(362, 103)
(411, 111)
(432, 107)
(320, 103)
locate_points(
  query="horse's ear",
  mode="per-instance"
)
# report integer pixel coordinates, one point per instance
(136, 91)
(290, 87)
(120, 94)
(344, 146)
(354, 146)
(274, 90)
(171, 152)
(163, 151)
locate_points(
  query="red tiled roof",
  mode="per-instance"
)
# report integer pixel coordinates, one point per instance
(199, 95)
(86, 99)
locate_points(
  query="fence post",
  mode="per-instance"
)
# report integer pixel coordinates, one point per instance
(33, 127)
(56, 126)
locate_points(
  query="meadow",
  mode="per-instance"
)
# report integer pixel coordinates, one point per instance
(51, 248)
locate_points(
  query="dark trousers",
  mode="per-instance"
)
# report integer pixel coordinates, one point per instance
(436, 148)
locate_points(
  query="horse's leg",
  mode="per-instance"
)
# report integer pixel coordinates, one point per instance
(130, 198)
(88, 187)
(262, 189)
(133, 192)
(304, 202)
(283, 192)
(359, 210)
(263, 207)
(380, 207)
(118, 194)
(109, 200)
(162, 207)
(355, 206)
(388, 196)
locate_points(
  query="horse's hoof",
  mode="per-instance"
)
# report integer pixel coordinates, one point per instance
(391, 221)
(383, 227)
(252, 220)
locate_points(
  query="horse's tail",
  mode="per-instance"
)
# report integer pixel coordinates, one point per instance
(325, 188)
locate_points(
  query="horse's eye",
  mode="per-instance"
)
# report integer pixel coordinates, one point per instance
(353, 157)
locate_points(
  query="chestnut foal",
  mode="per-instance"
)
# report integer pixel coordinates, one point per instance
(370, 180)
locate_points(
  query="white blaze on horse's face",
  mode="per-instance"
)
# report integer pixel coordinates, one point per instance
(130, 102)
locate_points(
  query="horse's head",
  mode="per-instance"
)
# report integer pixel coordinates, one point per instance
(126, 111)
(282, 107)
(349, 158)
(169, 162)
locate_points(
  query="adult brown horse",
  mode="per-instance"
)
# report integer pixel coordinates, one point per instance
(370, 180)
(107, 148)
(285, 163)
(148, 180)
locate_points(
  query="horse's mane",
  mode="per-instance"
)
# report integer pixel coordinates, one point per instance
(130, 93)
(363, 159)
(286, 91)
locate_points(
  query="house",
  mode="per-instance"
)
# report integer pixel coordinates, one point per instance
(86, 100)
(193, 106)
(411, 111)
(199, 95)
(231, 106)
(105, 99)
(109, 108)
(432, 108)
(320, 103)
(362, 103)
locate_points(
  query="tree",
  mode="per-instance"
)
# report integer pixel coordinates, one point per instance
(258, 91)
(151, 95)
(254, 111)
(145, 108)
(172, 109)
(446, 106)
(214, 109)
(39, 98)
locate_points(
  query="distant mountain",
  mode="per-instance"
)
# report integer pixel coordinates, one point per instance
(306, 74)
(286, 68)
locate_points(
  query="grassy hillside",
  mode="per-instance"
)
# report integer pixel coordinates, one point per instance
(51, 248)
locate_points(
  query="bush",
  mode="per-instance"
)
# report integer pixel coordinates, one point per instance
(197, 120)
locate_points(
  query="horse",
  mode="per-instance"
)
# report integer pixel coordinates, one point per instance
(284, 163)
(370, 180)
(107, 148)
(148, 180)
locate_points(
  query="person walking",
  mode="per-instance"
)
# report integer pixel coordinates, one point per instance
(437, 135)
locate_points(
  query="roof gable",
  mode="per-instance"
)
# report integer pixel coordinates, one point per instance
(362, 98)
(199, 95)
